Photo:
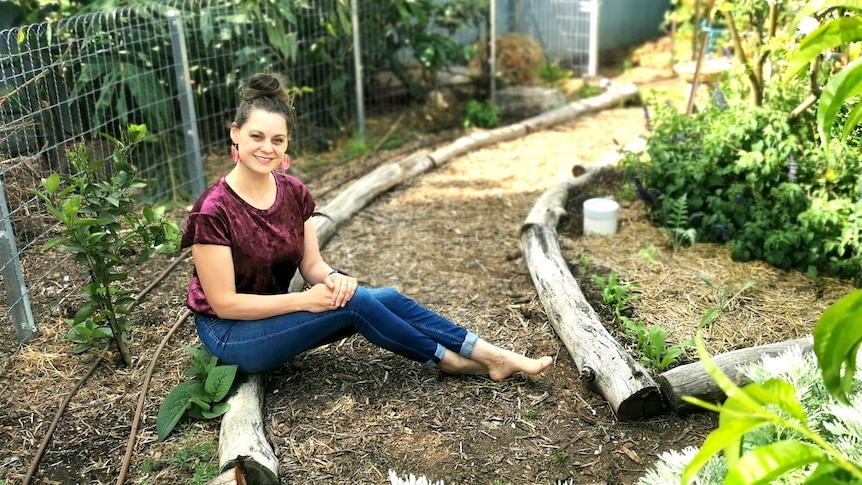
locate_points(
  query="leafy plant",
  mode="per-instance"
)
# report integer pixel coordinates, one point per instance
(588, 90)
(201, 397)
(835, 30)
(614, 292)
(652, 342)
(99, 225)
(756, 181)
(649, 254)
(552, 74)
(677, 220)
(837, 341)
(478, 114)
(656, 352)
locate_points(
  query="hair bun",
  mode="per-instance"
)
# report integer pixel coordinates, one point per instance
(264, 84)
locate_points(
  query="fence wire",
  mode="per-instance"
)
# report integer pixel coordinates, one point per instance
(177, 66)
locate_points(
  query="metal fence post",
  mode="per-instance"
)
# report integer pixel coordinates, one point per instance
(17, 298)
(357, 69)
(187, 105)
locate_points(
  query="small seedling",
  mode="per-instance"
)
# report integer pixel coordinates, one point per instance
(615, 293)
(726, 294)
(649, 254)
(677, 220)
(532, 415)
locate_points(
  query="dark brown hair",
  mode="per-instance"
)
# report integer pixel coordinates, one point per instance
(266, 91)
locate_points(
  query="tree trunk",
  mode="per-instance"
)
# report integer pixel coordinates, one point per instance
(692, 379)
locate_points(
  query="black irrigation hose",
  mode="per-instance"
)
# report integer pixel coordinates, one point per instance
(42, 446)
(34, 463)
(142, 399)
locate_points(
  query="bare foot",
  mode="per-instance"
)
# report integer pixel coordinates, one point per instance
(453, 363)
(502, 364)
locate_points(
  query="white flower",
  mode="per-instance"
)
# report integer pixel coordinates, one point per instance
(807, 25)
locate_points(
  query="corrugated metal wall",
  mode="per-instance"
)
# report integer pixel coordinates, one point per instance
(625, 23)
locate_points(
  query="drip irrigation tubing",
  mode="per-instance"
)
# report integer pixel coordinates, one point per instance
(34, 463)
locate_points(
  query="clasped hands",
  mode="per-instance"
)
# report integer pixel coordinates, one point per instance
(342, 287)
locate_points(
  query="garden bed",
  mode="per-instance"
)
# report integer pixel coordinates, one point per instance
(348, 412)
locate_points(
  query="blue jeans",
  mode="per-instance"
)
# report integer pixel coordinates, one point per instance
(384, 316)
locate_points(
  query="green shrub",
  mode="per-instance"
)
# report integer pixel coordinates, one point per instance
(480, 114)
(757, 182)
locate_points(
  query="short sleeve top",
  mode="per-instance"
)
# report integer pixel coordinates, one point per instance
(267, 245)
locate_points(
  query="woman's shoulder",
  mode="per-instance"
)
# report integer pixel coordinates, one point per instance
(288, 180)
(216, 198)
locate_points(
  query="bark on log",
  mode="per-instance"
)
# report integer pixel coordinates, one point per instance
(692, 379)
(242, 439)
(607, 368)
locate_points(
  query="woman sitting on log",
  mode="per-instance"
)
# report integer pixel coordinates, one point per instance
(252, 230)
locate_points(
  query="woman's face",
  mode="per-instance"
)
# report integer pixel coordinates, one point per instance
(262, 140)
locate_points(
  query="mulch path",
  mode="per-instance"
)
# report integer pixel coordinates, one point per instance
(349, 412)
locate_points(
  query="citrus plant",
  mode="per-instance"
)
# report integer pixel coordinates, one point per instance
(101, 226)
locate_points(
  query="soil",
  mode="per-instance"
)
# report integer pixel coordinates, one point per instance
(350, 412)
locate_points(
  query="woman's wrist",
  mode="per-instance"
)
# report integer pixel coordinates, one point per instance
(337, 271)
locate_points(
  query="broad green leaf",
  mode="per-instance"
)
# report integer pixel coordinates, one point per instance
(216, 411)
(837, 338)
(85, 312)
(52, 183)
(838, 32)
(219, 381)
(854, 118)
(716, 442)
(53, 243)
(175, 405)
(764, 464)
(842, 87)
(783, 394)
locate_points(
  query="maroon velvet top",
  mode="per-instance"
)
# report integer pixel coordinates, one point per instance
(267, 245)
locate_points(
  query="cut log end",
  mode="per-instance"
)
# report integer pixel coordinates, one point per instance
(646, 403)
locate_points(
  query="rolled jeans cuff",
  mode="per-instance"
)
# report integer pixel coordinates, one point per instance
(438, 356)
(467, 347)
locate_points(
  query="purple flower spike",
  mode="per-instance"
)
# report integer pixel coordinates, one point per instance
(791, 168)
(722, 232)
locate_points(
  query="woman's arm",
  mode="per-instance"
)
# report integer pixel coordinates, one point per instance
(315, 270)
(214, 266)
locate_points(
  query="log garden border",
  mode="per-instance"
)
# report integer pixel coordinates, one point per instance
(245, 456)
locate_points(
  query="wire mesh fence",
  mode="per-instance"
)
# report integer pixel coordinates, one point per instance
(176, 66)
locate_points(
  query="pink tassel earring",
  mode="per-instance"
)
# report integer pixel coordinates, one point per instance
(234, 152)
(285, 163)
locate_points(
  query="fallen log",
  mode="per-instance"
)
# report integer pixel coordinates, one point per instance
(244, 452)
(605, 366)
(692, 379)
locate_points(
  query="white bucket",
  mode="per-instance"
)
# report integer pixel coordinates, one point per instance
(600, 216)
